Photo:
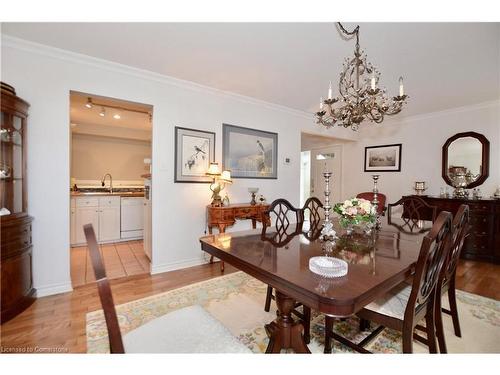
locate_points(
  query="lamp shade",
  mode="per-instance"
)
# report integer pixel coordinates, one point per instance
(226, 177)
(213, 170)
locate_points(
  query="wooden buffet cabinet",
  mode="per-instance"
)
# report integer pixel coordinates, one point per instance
(225, 216)
(17, 291)
(483, 241)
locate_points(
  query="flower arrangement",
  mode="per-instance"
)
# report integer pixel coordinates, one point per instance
(355, 211)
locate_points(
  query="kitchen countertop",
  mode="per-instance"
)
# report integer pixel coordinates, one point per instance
(100, 194)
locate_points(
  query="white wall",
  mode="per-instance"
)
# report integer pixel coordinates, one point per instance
(44, 77)
(422, 138)
(93, 156)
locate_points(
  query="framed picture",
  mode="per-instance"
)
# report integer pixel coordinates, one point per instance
(194, 150)
(249, 153)
(386, 158)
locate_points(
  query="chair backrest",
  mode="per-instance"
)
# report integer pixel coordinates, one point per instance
(414, 211)
(432, 256)
(313, 210)
(105, 295)
(460, 229)
(382, 199)
(280, 212)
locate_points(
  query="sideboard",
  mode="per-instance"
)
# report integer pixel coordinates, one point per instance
(224, 216)
(483, 241)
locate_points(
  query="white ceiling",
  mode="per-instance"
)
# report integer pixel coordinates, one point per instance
(131, 124)
(445, 65)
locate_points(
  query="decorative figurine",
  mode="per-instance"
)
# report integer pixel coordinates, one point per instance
(253, 191)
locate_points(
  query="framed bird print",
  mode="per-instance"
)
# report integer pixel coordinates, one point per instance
(249, 153)
(194, 150)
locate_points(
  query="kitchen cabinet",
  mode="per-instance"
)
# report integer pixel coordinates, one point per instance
(73, 221)
(109, 223)
(85, 215)
(104, 215)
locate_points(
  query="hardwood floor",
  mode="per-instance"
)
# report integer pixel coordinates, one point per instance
(57, 323)
(120, 259)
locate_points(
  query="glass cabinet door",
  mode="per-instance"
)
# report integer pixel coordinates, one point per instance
(11, 164)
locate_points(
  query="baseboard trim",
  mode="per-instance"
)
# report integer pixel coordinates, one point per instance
(166, 267)
(49, 290)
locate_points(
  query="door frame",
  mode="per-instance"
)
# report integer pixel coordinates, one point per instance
(313, 159)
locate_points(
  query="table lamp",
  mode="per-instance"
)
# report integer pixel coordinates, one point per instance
(219, 181)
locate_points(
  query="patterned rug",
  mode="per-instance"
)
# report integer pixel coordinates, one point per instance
(237, 300)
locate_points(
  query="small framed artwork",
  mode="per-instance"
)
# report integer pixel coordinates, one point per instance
(194, 150)
(386, 158)
(249, 153)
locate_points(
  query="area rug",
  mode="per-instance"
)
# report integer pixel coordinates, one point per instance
(237, 300)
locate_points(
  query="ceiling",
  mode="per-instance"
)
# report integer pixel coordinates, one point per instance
(445, 65)
(131, 124)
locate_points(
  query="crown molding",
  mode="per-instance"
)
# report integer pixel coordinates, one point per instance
(78, 58)
(445, 112)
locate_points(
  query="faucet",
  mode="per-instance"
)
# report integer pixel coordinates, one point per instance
(110, 181)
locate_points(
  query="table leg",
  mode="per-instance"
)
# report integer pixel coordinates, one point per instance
(285, 332)
(254, 223)
(222, 229)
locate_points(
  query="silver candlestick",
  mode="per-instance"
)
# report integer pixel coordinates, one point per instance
(327, 233)
(375, 202)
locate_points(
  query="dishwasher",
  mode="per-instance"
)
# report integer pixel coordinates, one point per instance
(132, 217)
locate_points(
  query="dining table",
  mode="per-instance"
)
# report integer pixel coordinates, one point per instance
(377, 260)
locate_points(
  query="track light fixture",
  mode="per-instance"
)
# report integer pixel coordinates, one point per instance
(102, 113)
(89, 103)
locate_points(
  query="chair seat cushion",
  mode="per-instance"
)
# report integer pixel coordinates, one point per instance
(394, 303)
(188, 330)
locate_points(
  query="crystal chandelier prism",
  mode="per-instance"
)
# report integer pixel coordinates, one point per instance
(359, 98)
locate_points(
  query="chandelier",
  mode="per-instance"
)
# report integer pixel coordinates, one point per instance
(359, 98)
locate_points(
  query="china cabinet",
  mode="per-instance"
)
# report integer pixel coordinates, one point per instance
(17, 291)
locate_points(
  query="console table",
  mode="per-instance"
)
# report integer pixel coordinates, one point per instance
(225, 216)
(483, 241)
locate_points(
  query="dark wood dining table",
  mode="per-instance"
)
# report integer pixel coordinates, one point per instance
(377, 262)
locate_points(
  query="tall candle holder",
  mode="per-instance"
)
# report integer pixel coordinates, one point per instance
(375, 201)
(327, 233)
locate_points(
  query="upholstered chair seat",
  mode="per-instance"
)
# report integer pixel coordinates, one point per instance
(188, 330)
(394, 303)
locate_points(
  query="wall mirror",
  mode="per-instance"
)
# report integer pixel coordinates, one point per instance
(466, 160)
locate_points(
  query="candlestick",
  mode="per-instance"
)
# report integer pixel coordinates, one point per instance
(321, 103)
(327, 233)
(330, 90)
(375, 202)
(373, 83)
(401, 88)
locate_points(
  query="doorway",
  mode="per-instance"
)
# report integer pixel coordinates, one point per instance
(320, 154)
(327, 159)
(110, 169)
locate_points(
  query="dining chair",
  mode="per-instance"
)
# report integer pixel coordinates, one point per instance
(187, 330)
(414, 211)
(446, 281)
(407, 304)
(281, 212)
(312, 214)
(382, 199)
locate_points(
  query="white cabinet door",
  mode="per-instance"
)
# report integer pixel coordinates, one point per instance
(73, 222)
(109, 223)
(85, 215)
(147, 227)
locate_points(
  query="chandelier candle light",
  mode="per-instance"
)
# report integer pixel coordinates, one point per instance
(359, 97)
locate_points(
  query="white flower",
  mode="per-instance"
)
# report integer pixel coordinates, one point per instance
(347, 203)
